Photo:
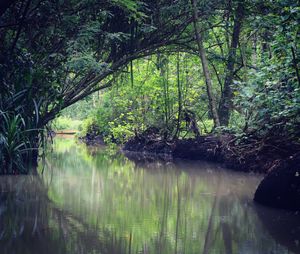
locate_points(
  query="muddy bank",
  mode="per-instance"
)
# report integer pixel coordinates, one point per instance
(248, 153)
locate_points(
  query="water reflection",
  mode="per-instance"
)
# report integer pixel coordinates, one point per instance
(92, 202)
(283, 226)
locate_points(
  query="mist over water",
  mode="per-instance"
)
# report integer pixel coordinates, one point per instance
(89, 201)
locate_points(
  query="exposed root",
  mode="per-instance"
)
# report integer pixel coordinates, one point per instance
(246, 153)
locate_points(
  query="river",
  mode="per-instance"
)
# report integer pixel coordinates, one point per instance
(90, 200)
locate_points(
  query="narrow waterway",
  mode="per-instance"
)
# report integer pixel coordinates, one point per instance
(90, 201)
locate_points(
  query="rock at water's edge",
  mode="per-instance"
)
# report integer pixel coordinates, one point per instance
(281, 187)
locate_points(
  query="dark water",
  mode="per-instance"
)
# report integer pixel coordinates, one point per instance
(89, 201)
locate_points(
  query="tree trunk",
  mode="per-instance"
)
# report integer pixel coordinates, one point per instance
(227, 95)
(177, 133)
(202, 55)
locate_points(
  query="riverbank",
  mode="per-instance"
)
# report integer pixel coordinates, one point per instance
(247, 153)
(276, 156)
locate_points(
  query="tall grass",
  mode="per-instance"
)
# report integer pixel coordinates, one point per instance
(20, 135)
(18, 144)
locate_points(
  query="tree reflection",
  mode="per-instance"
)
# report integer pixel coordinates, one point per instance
(91, 202)
(31, 223)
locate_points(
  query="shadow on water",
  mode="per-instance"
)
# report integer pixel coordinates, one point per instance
(284, 227)
(92, 202)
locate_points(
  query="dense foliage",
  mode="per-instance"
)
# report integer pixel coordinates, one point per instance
(168, 91)
(185, 67)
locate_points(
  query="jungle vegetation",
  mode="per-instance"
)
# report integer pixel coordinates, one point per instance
(186, 67)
